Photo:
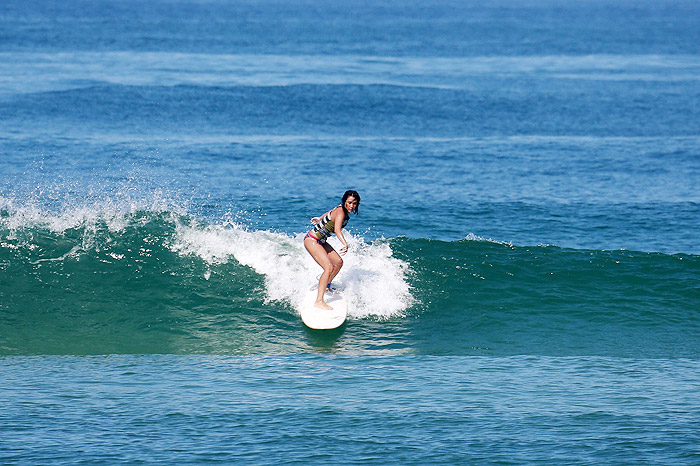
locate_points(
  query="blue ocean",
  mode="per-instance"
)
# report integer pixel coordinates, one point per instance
(523, 276)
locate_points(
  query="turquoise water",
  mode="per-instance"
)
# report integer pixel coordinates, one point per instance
(523, 276)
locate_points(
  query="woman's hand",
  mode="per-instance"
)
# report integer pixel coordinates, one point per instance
(315, 220)
(338, 216)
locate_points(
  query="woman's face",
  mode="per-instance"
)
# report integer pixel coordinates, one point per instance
(350, 204)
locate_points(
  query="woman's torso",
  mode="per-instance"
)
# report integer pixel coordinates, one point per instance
(326, 226)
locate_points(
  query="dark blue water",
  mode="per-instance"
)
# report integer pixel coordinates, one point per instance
(523, 276)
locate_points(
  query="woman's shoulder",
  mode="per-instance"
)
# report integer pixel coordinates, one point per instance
(337, 211)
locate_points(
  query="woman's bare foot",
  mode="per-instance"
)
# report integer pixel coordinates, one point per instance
(323, 305)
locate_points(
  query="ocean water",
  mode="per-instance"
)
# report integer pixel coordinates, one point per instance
(523, 276)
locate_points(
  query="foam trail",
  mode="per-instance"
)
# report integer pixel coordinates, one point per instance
(373, 281)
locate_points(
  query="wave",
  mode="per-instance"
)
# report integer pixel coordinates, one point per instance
(76, 69)
(150, 278)
(158, 236)
(162, 268)
(354, 109)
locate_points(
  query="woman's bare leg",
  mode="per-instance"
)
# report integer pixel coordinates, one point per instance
(336, 261)
(322, 257)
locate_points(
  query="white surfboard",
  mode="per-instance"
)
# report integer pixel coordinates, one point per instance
(323, 319)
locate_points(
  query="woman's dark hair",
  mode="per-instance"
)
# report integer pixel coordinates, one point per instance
(354, 194)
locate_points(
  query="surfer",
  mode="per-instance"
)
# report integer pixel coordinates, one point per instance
(331, 222)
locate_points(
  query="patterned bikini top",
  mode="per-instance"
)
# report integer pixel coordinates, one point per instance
(325, 228)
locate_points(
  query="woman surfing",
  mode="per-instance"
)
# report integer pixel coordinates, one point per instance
(331, 222)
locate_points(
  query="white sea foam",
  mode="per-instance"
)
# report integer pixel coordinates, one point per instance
(373, 281)
(474, 237)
